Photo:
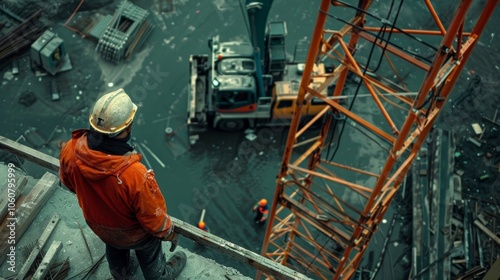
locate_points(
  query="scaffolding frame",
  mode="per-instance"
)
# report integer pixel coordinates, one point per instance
(308, 215)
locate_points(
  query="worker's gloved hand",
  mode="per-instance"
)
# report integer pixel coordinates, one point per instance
(173, 238)
(174, 242)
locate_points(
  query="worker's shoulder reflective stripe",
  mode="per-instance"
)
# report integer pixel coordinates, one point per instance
(163, 227)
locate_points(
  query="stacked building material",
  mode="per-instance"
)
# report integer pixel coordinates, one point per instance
(125, 32)
(97, 30)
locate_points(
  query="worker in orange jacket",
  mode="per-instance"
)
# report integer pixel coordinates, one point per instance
(262, 212)
(120, 199)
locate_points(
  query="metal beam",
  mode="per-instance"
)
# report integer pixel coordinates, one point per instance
(30, 154)
(47, 261)
(267, 266)
(38, 246)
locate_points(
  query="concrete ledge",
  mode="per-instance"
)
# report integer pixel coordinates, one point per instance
(234, 251)
(67, 231)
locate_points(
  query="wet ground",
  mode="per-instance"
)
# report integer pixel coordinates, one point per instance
(224, 173)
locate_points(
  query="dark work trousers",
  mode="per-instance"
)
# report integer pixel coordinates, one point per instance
(149, 254)
(258, 216)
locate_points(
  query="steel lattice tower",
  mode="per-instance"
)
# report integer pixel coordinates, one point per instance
(310, 214)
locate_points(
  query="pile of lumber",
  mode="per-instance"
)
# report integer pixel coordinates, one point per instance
(19, 205)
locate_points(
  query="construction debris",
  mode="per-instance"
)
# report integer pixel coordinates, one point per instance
(487, 231)
(47, 261)
(18, 188)
(19, 34)
(27, 98)
(494, 271)
(38, 247)
(477, 128)
(446, 244)
(26, 210)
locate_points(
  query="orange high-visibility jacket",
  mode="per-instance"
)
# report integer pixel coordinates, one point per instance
(120, 199)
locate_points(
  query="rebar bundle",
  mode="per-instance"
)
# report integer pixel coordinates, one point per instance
(20, 37)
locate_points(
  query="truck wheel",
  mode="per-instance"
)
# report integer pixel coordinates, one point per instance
(231, 124)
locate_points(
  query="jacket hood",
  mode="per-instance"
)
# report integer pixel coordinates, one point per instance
(96, 165)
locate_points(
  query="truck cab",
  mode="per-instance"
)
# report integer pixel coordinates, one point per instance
(235, 94)
(239, 85)
(233, 85)
(285, 93)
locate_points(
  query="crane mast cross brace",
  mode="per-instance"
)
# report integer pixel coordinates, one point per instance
(312, 227)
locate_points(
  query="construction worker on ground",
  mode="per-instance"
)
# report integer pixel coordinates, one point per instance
(203, 226)
(261, 211)
(119, 197)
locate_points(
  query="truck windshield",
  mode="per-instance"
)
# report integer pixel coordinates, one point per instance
(234, 99)
(230, 66)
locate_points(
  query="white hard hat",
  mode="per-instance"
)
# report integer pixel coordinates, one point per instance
(112, 113)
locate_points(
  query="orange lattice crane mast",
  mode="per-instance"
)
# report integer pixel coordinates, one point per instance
(324, 197)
